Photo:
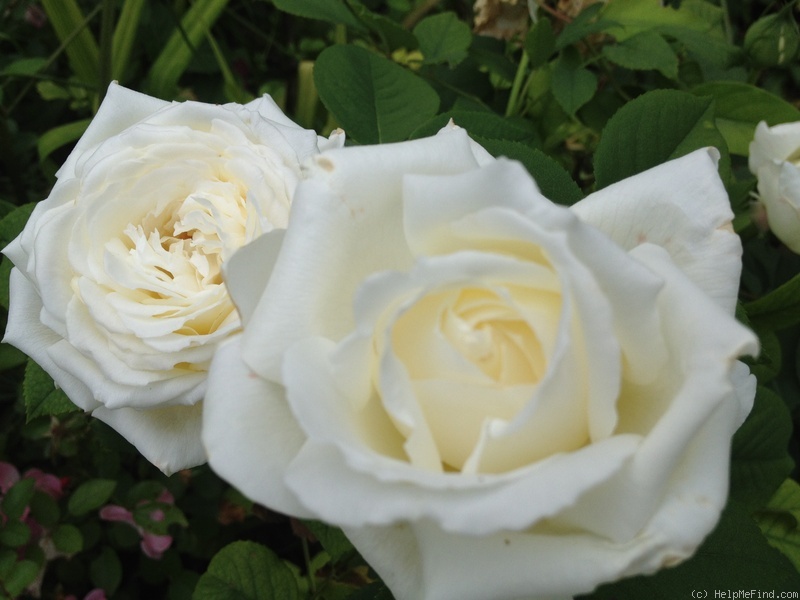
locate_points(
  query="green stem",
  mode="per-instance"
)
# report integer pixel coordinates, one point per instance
(419, 13)
(726, 21)
(513, 100)
(312, 584)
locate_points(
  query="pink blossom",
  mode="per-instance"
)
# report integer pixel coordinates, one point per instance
(152, 545)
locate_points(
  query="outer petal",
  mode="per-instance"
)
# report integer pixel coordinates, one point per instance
(120, 109)
(682, 206)
(779, 188)
(773, 143)
(248, 431)
(168, 437)
(26, 331)
(349, 206)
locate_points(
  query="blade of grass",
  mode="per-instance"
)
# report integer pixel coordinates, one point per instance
(177, 53)
(125, 36)
(82, 51)
(233, 90)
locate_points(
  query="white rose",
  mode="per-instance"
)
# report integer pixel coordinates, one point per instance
(494, 396)
(117, 290)
(775, 161)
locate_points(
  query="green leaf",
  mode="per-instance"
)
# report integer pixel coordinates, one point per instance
(70, 25)
(14, 534)
(20, 577)
(332, 11)
(125, 36)
(635, 16)
(778, 309)
(246, 571)
(586, 23)
(483, 124)
(739, 107)
(644, 51)
(573, 85)
(736, 556)
(553, 181)
(443, 38)
(780, 521)
(372, 98)
(182, 44)
(540, 43)
(10, 357)
(652, 129)
(60, 136)
(14, 222)
(24, 67)
(67, 538)
(332, 539)
(759, 458)
(392, 35)
(90, 495)
(44, 509)
(41, 395)
(17, 498)
(105, 571)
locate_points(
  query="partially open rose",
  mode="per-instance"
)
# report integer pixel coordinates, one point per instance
(775, 160)
(117, 290)
(494, 396)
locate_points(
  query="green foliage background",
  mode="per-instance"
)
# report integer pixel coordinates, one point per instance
(582, 99)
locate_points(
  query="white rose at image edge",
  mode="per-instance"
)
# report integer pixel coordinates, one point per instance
(116, 290)
(334, 422)
(775, 161)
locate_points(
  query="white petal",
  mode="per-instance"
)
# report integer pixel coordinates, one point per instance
(342, 228)
(26, 332)
(249, 433)
(773, 143)
(682, 206)
(168, 437)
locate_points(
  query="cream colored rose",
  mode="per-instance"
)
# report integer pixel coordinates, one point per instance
(775, 161)
(494, 396)
(117, 289)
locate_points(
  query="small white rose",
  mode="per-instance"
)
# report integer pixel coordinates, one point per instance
(494, 397)
(117, 290)
(775, 161)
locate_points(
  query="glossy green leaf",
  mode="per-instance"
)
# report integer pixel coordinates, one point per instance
(573, 84)
(779, 309)
(644, 51)
(332, 11)
(182, 44)
(652, 129)
(60, 136)
(246, 571)
(443, 38)
(759, 458)
(372, 98)
(41, 395)
(14, 534)
(736, 556)
(90, 495)
(780, 521)
(739, 107)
